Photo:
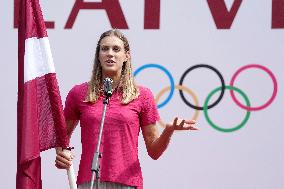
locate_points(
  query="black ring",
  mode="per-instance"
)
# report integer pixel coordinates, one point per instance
(202, 66)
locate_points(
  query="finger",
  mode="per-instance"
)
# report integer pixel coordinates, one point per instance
(66, 154)
(193, 128)
(58, 167)
(181, 123)
(175, 121)
(187, 127)
(61, 165)
(63, 160)
(190, 121)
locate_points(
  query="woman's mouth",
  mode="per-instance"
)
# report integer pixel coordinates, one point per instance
(110, 61)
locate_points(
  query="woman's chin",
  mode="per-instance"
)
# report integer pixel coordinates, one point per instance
(110, 72)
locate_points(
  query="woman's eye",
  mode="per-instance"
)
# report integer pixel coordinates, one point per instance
(104, 48)
(116, 49)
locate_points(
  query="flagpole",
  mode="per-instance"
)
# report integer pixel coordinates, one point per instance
(71, 172)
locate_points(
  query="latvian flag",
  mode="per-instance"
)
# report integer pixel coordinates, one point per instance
(40, 120)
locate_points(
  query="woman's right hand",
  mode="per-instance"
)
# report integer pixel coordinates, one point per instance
(63, 158)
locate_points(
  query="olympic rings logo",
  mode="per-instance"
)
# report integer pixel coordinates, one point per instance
(233, 89)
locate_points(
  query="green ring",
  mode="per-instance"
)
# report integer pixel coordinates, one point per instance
(226, 129)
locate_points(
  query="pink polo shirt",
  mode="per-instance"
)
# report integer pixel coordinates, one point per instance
(119, 145)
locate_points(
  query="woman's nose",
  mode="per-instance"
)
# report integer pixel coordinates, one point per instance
(110, 52)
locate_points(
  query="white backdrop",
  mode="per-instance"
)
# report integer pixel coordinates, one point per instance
(251, 157)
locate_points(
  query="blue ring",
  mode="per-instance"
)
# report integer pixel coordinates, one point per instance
(167, 73)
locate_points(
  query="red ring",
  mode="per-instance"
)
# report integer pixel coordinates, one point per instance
(274, 87)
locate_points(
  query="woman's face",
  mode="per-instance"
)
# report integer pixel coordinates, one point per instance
(112, 55)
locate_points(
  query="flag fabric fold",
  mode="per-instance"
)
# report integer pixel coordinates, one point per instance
(40, 118)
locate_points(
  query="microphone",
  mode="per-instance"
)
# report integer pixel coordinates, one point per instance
(108, 87)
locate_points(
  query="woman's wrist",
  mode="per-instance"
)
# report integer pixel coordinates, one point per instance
(58, 149)
(169, 130)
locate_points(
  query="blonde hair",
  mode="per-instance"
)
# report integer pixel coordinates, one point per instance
(126, 86)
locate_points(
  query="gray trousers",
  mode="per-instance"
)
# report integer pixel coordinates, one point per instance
(105, 185)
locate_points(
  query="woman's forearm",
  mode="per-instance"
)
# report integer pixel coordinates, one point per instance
(159, 145)
(71, 124)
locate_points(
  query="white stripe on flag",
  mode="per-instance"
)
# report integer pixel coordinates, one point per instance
(38, 58)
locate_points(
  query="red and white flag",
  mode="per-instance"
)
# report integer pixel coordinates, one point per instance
(40, 119)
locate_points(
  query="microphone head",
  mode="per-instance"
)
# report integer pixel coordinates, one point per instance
(108, 86)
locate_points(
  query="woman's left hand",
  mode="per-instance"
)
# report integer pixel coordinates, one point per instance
(182, 124)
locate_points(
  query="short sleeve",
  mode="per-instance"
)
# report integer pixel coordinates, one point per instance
(149, 112)
(71, 111)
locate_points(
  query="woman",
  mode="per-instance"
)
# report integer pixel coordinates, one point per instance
(130, 109)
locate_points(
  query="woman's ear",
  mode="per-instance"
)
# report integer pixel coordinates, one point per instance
(128, 56)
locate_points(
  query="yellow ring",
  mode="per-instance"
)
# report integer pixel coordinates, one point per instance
(179, 87)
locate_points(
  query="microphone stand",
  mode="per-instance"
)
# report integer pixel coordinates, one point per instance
(97, 155)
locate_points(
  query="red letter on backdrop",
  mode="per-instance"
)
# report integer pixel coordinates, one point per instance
(222, 17)
(277, 14)
(112, 8)
(48, 24)
(152, 14)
